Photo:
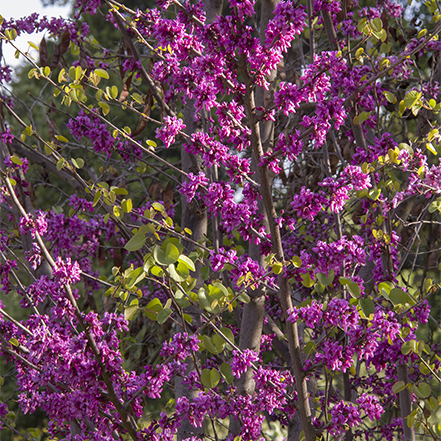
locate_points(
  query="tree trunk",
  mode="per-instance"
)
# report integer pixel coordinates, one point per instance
(194, 217)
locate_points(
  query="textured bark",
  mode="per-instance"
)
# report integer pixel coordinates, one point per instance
(254, 311)
(284, 288)
(194, 217)
(405, 403)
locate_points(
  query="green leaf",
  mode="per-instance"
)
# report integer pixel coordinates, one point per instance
(344, 280)
(172, 253)
(78, 163)
(210, 378)
(158, 207)
(374, 193)
(11, 34)
(319, 287)
(152, 308)
(183, 270)
(130, 311)
(16, 160)
(14, 342)
(354, 289)
(136, 242)
(390, 96)
(119, 190)
(359, 53)
(104, 107)
(399, 297)
(60, 163)
(296, 261)
(408, 346)
(97, 197)
(431, 135)
(163, 315)
(306, 280)
(227, 372)
(228, 333)
(431, 148)
(176, 274)
(362, 24)
(326, 280)
(218, 342)
(157, 271)
(61, 138)
(425, 390)
(138, 98)
(367, 306)
(309, 347)
(411, 98)
(210, 346)
(101, 73)
(181, 299)
(78, 73)
(204, 272)
(135, 277)
(244, 297)
(384, 288)
(114, 92)
(188, 318)
(203, 300)
(277, 268)
(187, 262)
(398, 387)
(376, 24)
(423, 368)
(218, 291)
(126, 205)
(33, 45)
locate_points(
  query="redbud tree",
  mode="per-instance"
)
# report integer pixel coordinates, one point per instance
(224, 225)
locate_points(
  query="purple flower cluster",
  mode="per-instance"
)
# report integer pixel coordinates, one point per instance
(271, 385)
(344, 252)
(80, 204)
(311, 314)
(7, 137)
(371, 406)
(220, 258)
(241, 361)
(5, 269)
(34, 256)
(3, 413)
(355, 176)
(308, 204)
(244, 8)
(290, 145)
(344, 414)
(340, 313)
(180, 346)
(169, 130)
(86, 7)
(66, 272)
(190, 187)
(88, 125)
(34, 225)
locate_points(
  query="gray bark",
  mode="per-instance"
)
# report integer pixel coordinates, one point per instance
(254, 311)
(405, 403)
(194, 217)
